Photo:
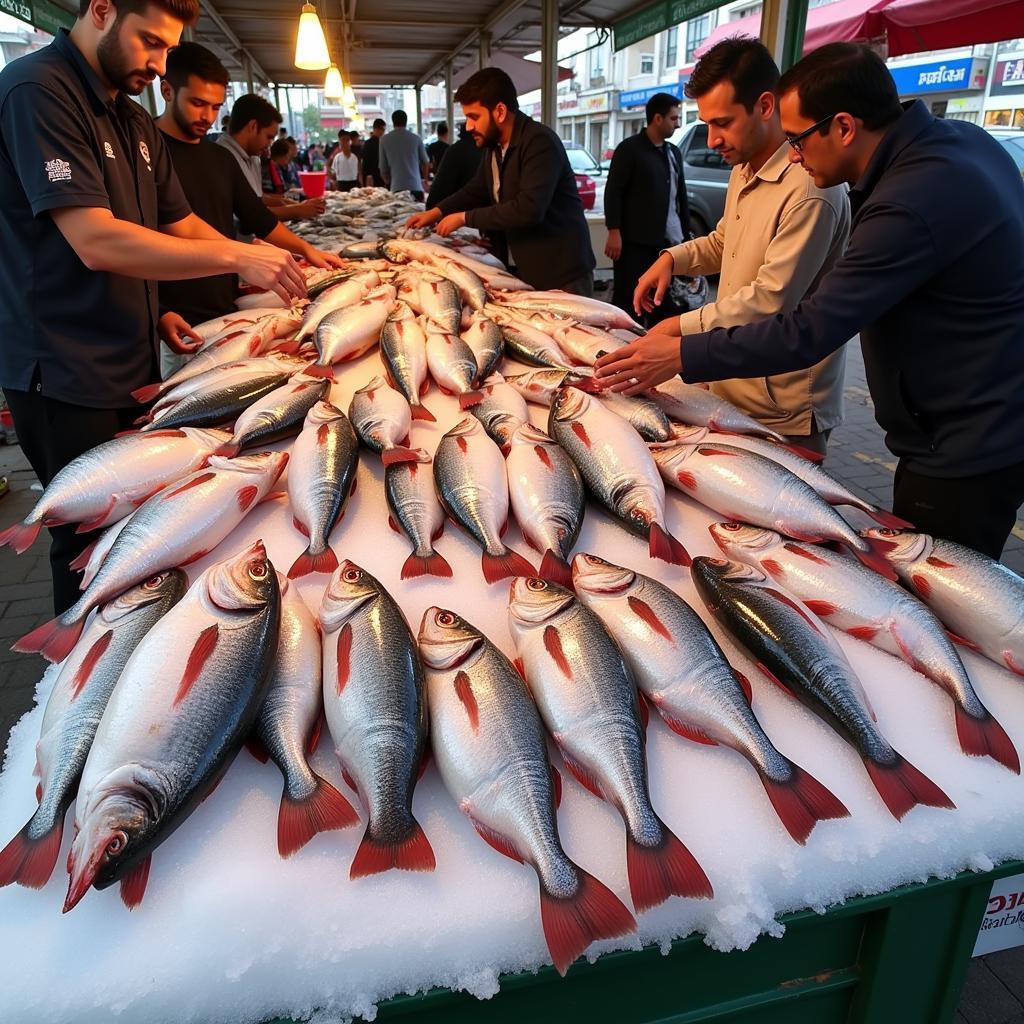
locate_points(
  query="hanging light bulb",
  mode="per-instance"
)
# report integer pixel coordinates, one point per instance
(349, 97)
(310, 44)
(334, 88)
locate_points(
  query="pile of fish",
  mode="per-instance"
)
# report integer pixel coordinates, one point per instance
(163, 683)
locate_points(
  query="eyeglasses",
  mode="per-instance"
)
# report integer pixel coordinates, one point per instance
(797, 141)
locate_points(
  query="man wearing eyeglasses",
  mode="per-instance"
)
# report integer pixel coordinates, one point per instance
(933, 278)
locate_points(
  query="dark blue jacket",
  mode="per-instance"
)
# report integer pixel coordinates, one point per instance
(933, 279)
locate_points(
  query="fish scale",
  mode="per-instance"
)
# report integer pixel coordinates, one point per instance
(415, 509)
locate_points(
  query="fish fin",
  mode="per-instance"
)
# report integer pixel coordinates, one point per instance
(963, 641)
(788, 691)
(314, 735)
(1012, 664)
(517, 663)
(30, 862)
(323, 561)
(823, 609)
(288, 348)
(201, 651)
(883, 518)
(658, 872)
(246, 496)
(470, 398)
(89, 663)
(748, 690)
(790, 603)
(257, 748)
(985, 736)
(582, 775)
(663, 545)
(867, 633)
(571, 925)
(275, 496)
(642, 610)
(939, 563)
(317, 370)
(133, 885)
(772, 567)
(21, 536)
(556, 786)
(54, 640)
(497, 841)
(643, 710)
(349, 781)
(229, 449)
(556, 569)
(426, 565)
(145, 395)
(500, 567)
(801, 802)
(97, 521)
(464, 691)
(344, 655)
(803, 552)
(80, 561)
(922, 585)
(421, 412)
(299, 820)
(901, 786)
(553, 645)
(874, 557)
(805, 453)
(687, 479)
(411, 854)
(143, 498)
(686, 730)
(300, 526)
(399, 454)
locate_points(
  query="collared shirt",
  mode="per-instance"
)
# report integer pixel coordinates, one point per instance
(402, 158)
(90, 336)
(779, 235)
(673, 227)
(345, 168)
(251, 166)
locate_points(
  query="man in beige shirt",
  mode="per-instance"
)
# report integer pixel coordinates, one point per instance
(779, 235)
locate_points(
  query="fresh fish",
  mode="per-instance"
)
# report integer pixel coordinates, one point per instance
(540, 386)
(375, 703)
(589, 704)
(288, 729)
(748, 488)
(576, 307)
(439, 302)
(320, 481)
(110, 481)
(403, 347)
(219, 325)
(329, 280)
(795, 651)
(483, 336)
(416, 512)
(643, 415)
(382, 419)
(546, 492)
(859, 602)
(90, 560)
(500, 408)
(525, 342)
(494, 275)
(72, 714)
(452, 364)
(978, 598)
(176, 526)
(367, 249)
(440, 260)
(352, 330)
(489, 745)
(617, 469)
(340, 296)
(682, 671)
(688, 403)
(275, 416)
(187, 698)
(470, 476)
(582, 343)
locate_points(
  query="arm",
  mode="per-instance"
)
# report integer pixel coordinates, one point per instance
(424, 162)
(472, 195)
(699, 255)
(192, 227)
(382, 162)
(285, 239)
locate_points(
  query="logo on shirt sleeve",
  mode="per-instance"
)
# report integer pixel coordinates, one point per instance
(144, 150)
(109, 150)
(58, 170)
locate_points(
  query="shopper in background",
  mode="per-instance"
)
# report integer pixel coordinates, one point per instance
(931, 278)
(403, 160)
(645, 205)
(371, 154)
(345, 171)
(437, 149)
(91, 216)
(524, 193)
(461, 161)
(274, 167)
(291, 171)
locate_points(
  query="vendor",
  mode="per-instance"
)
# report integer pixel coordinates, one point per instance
(524, 193)
(91, 215)
(933, 279)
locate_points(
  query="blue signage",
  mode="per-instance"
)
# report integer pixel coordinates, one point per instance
(639, 97)
(946, 76)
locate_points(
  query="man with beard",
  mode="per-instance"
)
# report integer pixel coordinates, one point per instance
(91, 216)
(524, 194)
(194, 87)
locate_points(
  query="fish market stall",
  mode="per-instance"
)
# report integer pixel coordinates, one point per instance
(252, 910)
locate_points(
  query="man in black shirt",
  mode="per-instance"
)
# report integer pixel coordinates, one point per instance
(371, 155)
(436, 150)
(461, 162)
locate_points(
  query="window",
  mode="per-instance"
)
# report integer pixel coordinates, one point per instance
(595, 61)
(698, 154)
(672, 46)
(646, 63)
(997, 118)
(697, 31)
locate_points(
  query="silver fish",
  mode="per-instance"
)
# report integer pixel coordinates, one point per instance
(439, 301)
(382, 419)
(403, 346)
(90, 560)
(643, 415)
(483, 336)
(541, 385)
(218, 404)
(525, 342)
(689, 403)
(500, 408)
(416, 512)
(340, 296)
(451, 362)
(276, 415)
(578, 307)
(350, 331)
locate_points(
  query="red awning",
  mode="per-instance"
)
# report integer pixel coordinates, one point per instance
(912, 26)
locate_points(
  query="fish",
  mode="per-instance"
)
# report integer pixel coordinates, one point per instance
(500, 408)
(490, 749)
(348, 332)
(340, 296)
(416, 512)
(208, 330)
(73, 712)
(452, 364)
(469, 473)
(682, 671)
(187, 698)
(110, 481)
(288, 728)
(548, 500)
(494, 275)
(979, 599)
(382, 419)
(439, 302)
(858, 601)
(322, 477)
(793, 648)
(582, 343)
(275, 416)
(643, 415)
(178, 525)
(525, 342)
(403, 347)
(746, 487)
(541, 385)
(90, 560)
(470, 286)
(587, 699)
(577, 307)
(617, 469)
(376, 708)
(689, 403)
(328, 280)
(483, 336)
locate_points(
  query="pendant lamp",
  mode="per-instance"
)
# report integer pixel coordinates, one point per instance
(310, 44)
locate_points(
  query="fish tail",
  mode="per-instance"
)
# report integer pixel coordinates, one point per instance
(801, 802)
(984, 736)
(299, 820)
(399, 454)
(414, 853)
(229, 449)
(805, 453)
(509, 563)
(310, 561)
(570, 925)
(425, 565)
(19, 537)
(470, 398)
(421, 412)
(901, 786)
(658, 872)
(148, 393)
(872, 554)
(54, 640)
(30, 862)
(664, 546)
(81, 560)
(556, 569)
(889, 519)
(319, 370)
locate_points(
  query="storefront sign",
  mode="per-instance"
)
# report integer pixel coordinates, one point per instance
(948, 76)
(41, 13)
(1002, 927)
(652, 20)
(17, 9)
(639, 97)
(1008, 76)
(598, 104)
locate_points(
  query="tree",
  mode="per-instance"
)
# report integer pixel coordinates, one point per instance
(311, 123)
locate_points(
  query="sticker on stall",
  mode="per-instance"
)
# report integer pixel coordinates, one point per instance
(1002, 927)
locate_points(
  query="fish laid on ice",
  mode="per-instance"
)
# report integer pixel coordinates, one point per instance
(276, 415)
(483, 336)
(352, 330)
(452, 364)
(689, 403)
(500, 408)
(382, 419)
(525, 342)
(416, 512)
(403, 347)
(339, 296)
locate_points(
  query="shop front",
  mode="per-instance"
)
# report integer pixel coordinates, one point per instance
(1004, 107)
(951, 88)
(632, 117)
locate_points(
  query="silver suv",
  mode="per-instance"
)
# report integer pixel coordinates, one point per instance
(707, 178)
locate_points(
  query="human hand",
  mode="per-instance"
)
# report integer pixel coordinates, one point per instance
(311, 208)
(324, 260)
(174, 331)
(650, 289)
(451, 223)
(641, 365)
(613, 247)
(424, 219)
(273, 269)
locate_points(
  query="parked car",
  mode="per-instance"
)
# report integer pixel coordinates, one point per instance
(707, 178)
(1012, 140)
(586, 169)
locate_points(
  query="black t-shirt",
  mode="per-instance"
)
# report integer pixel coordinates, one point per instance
(218, 192)
(90, 335)
(436, 151)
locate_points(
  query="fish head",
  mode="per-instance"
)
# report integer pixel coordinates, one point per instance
(726, 570)
(900, 547)
(348, 590)
(323, 412)
(569, 404)
(401, 311)
(446, 640)
(269, 465)
(528, 434)
(242, 583)
(532, 601)
(464, 428)
(593, 575)
(738, 540)
(206, 438)
(169, 586)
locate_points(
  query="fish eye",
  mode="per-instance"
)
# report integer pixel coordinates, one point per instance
(153, 582)
(731, 527)
(886, 532)
(536, 585)
(351, 575)
(118, 841)
(445, 619)
(718, 561)
(258, 570)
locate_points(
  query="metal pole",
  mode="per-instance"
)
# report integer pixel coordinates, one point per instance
(247, 71)
(549, 63)
(419, 110)
(485, 49)
(449, 99)
(292, 130)
(277, 98)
